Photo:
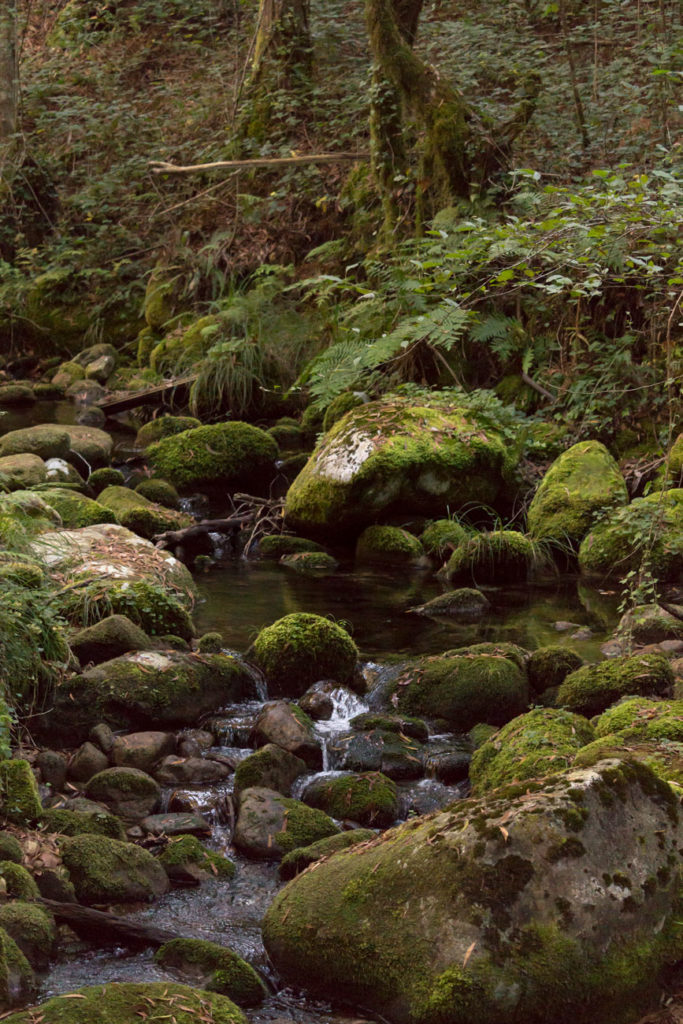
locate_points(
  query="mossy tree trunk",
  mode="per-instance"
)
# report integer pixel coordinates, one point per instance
(9, 70)
(281, 65)
(406, 89)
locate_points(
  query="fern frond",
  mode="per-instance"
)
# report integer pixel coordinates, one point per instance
(495, 327)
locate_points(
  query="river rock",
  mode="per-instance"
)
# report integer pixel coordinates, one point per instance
(90, 444)
(580, 485)
(52, 765)
(119, 1003)
(187, 862)
(77, 510)
(301, 648)
(502, 556)
(86, 762)
(108, 871)
(190, 771)
(107, 639)
(233, 454)
(269, 825)
(85, 392)
(60, 472)
(379, 750)
(550, 666)
(213, 967)
(17, 981)
(176, 824)
(271, 767)
(166, 689)
(370, 799)
(100, 369)
(102, 735)
(19, 798)
(650, 624)
(127, 792)
(388, 545)
(20, 471)
(524, 905)
(46, 440)
(398, 455)
(300, 858)
(287, 726)
(449, 764)
(142, 750)
(592, 689)
(464, 605)
(33, 929)
(16, 394)
(141, 515)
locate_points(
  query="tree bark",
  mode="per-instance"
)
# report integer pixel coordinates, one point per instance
(9, 70)
(282, 62)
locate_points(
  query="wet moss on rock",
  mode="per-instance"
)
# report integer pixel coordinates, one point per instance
(228, 453)
(19, 883)
(388, 544)
(371, 798)
(74, 823)
(188, 850)
(33, 929)
(298, 860)
(592, 689)
(503, 556)
(105, 870)
(301, 648)
(19, 797)
(549, 666)
(441, 537)
(218, 969)
(164, 426)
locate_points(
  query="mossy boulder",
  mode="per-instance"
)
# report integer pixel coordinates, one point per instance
(441, 537)
(541, 742)
(412, 728)
(124, 1002)
(370, 799)
(270, 825)
(661, 756)
(47, 441)
(580, 486)
(19, 798)
(549, 666)
(270, 767)
(279, 544)
(186, 850)
(107, 639)
(463, 605)
(310, 563)
(388, 545)
(33, 929)
(22, 471)
(16, 394)
(592, 689)
(10, 848)
(141, 515)
(105, 477)
(152, 608)
(290, 728)
(648, 530)
(382, 750)
(512, 913)
(65, 822)
(298, 860)
(214, 968)
(94, 446)
(148, 690)
(399, 455)
(650, 624)
(164, 426)
(464, 687)
(339, 406)
(231, 454)
(107, 871)
(503, 556)
(18, 882)
(129, 793)
(301, 648)
(643, 718)
(159, 491)
(17, 982)
(76, 510)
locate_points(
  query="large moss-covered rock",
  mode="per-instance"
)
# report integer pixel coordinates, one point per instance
(271, 767)
(19, 798)
(643, 718)
(233, 454)
(649, 530)
(541, 742)
(129, 793)
(20, 471)
(549, 666)
(370, 799)
(141, 515)
(164, 426)
(592, 689)
(108, 871)
(126, 1002)
(185, 852)
(17, 983)
(388, 545)
(18, 882)
(148, 690)
(107, 639)
(649, 624)
(278, 544)
(46, 440)
(399, 455)
(440, 538)
(503, 556)
(580, 485)
(464, 687)
(213, 967)
(269, 825)
(94, 446)
(33, 929)
(76, 510)
(301, 648)
(66, 822)
(513, 913)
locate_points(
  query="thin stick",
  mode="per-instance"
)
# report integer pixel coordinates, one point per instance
(161, 167)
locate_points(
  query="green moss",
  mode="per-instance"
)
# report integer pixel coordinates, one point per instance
(641, 718)
(480, 733)
(10, 848)
(503, 556)
(301, 648)
(188, 850)
(76, 510)
(549, 666)
(124, 1003)
(542, 742)
(16, 394)
(649, 530)
(581, 484)
(18, 882)
(154, 609)
(221, 969)
(17, 982)
(105, 870)
(311, 563)
(24, 574)
(388, 544)
(184, 346)
(105, 477)
(225, 453)
(370, 799)
(140, 515)
(32, 928)
(570, 846)
(44, 440)
(73, 823)
(338, 407)
(663, 757)
(298, 860)
(277, 545)
(441, 537)
(406, 724)
(164, 426)
(210, 643)
(159, 492)
(288, 436)
(303, 826)
(592, 689)
(19, 798)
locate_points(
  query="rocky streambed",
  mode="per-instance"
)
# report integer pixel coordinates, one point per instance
(397, 778)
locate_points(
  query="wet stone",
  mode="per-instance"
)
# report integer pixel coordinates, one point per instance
(176, 824)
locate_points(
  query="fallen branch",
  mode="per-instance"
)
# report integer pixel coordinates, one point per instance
(171, 538)
(162, 167)
(106, 929)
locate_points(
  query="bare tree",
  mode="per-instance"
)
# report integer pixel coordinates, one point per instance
(9, 70)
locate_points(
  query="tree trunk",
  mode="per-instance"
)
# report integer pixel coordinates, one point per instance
(9, 70)
(281, 64)
(405, 87)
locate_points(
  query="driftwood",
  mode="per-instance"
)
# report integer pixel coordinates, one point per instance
(174, 538)
(106, 929)
(161, 167)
